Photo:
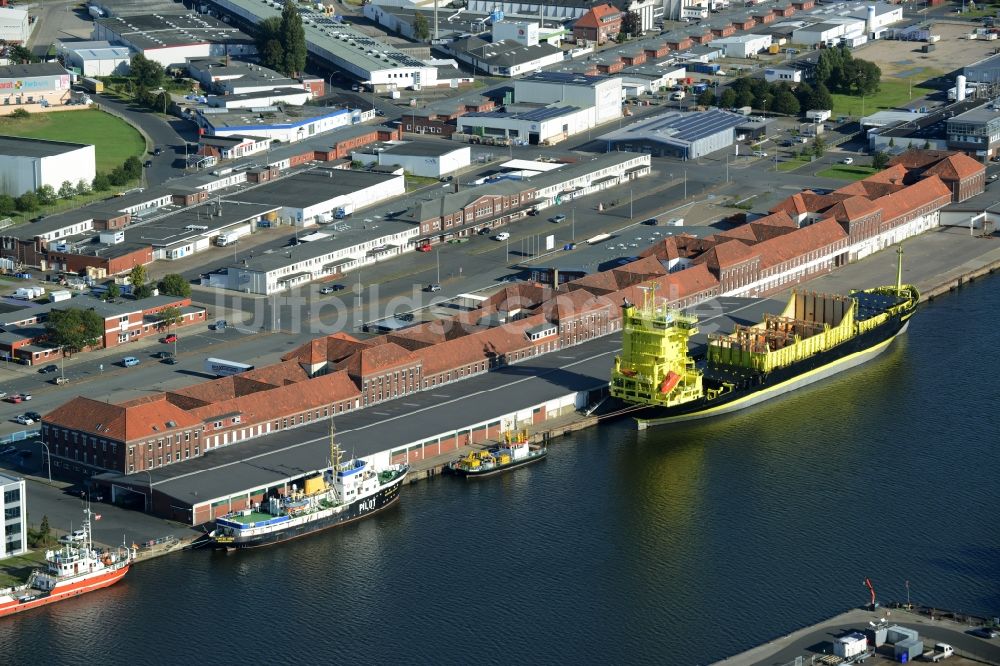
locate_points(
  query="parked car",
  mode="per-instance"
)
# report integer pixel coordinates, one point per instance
(557, 218)
(44, 370)
(502, 236)
(169, 339)
(759, 153)
(16, 398)
(433, 287)
(23, 420)
(169, 360)
(148, 163)
(25, 396)
(651, 221)
(847, 160)
(130, 361)
(59, 381)
(426, 247)
(984, 632)
(72, 537)
(34, 416)
(157, 150)
(162, 354)
(484, 231)
(3, 395)
(220, 324)
(330, 288)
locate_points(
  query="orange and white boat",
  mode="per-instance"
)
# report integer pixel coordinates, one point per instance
(74, 569)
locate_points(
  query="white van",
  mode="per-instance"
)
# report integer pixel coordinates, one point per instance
(502, 236)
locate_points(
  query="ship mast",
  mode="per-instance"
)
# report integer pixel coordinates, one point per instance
(899, 268)
(335, 452)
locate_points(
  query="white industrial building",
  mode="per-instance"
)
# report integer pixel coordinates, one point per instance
(14, 25)
(27, 164)
(285, 126)
(604, 93)
(829, 32)
(648, 10)
(316, 196)
(550, 107)
(96, 58)
(506, 57)
(420, 158)
(170, 39)
(742, 46)
(878, 18)
(787, 73)
(331, 41)
(646, 80)
(14, 533)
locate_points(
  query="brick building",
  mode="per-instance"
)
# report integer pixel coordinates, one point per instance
(601, 24)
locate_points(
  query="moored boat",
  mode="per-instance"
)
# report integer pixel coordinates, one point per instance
(657, 381)
(343, 493)
(516, 452)
(74, 569)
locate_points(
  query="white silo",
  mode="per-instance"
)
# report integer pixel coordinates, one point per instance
(870, 21)
(959, 87)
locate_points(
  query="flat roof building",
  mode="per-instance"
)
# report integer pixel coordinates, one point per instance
(687, 135)
(286, 125)
(420, 158)
(170, 39)
(28, 164)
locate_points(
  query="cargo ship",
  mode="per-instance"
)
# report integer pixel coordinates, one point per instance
(656, 380)
(516, 452)
(74, 569)
(343, 493)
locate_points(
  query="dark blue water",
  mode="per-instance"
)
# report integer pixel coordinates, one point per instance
(677, 546)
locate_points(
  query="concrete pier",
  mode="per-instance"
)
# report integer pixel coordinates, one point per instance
(816, 640)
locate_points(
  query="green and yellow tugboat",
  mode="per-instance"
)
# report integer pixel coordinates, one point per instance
(516, 451)
(656, 380)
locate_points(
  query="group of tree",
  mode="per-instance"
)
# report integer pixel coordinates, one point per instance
(172, 284)
(74, 329)
(777, 97)
(41, 537)
(421, 29)
(281, 41)
(130, 170)
(17, 54)
(841, 72)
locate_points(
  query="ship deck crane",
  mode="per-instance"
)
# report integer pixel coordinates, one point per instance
(874, 604)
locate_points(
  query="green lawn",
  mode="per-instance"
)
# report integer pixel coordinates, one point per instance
(114, 140)
(893, 93)
(15, 570)
(793, 163)
(845, 172)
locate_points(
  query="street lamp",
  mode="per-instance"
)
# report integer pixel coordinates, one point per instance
(48, 458)
(437, 260)
(149, 497)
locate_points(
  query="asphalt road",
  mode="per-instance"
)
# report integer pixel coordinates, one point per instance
(171, 136)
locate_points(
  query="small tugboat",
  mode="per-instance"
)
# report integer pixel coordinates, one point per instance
(345, 492)
(74, 569)
(515, 452)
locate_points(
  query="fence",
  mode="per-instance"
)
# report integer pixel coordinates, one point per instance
(20, 436)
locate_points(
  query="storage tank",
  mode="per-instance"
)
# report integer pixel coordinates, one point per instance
(870, 22)
(959, 88)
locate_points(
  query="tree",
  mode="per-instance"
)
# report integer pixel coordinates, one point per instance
(293, 38)
(744, 98)
(632, 24)
(880, 160)
(145, 291)
(132, 168)
(137, 276)
(20, 113)
(268, 37)
(118, 176)
(46, 194)
(19, 54)
(7, 204)
(706, 98)
(145, 72)
(101, 182)
(819, 146)
(82, 187)
(113, 292)
(74, 329)
(421, 31)
(173, 284)
(170, 317)
(821, 99)
(927, 144)
(785, 102)
(804, 93)
(728, 98)
(27, 202)
(66, 190)
(892, 142)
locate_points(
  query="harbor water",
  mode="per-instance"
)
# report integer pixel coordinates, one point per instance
(676, 546)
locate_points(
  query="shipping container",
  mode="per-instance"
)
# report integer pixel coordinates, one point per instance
(704, 67)
(92, 85)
